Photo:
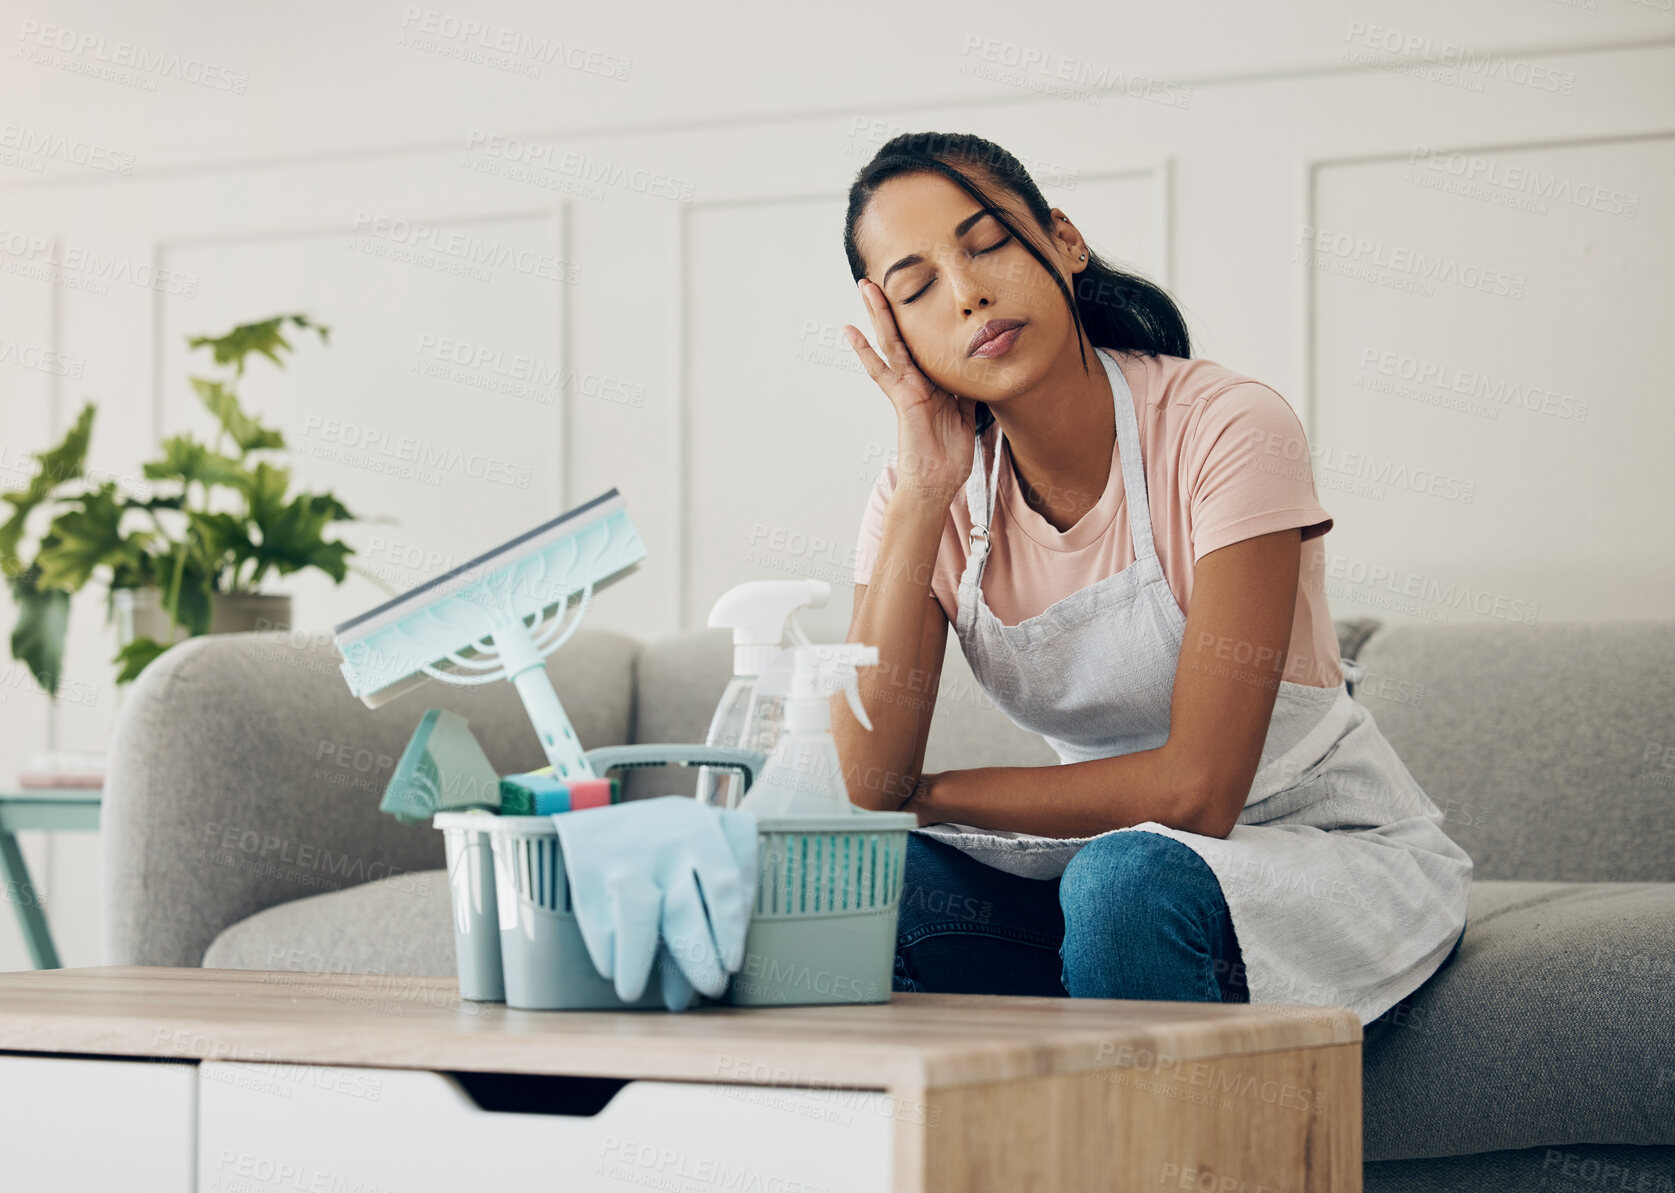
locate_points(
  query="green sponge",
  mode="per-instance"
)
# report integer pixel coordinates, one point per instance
(517, 792)
(540, 793)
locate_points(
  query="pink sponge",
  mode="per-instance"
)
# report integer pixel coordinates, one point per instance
(547, 795)
(592, 793)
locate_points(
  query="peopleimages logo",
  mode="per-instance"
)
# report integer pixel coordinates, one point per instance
(581, 167)
(1052, 73)
(37, 145)
(1493, 390)
(95, 47)
(1453, 56)
(485, 36)
(1360, 465)
(1524, 180)
(464, 247)
(1366, 581)
(1365, 251)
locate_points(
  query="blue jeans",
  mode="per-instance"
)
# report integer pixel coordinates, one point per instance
(1135, 915)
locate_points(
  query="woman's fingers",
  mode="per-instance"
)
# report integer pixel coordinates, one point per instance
(875, 367)
(884, 325)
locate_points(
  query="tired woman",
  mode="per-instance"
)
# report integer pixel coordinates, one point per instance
(1127, 543)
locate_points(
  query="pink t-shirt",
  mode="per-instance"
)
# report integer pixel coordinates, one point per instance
(1226, 459)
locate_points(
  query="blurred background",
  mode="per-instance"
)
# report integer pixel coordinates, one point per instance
(561, 250)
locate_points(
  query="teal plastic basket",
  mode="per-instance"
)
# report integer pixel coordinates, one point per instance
(543, 957)
(476, 920)
(822, 928)
(828, 894)
(515, 935)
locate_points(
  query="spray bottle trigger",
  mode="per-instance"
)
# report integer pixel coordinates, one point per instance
(852, 691)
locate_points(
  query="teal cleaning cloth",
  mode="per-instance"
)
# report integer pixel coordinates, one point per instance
(668, 880)
(443, 769)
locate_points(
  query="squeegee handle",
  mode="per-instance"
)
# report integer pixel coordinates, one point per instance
(749, 762)
(552, 725)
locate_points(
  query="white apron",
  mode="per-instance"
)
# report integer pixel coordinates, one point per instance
(1342, 886)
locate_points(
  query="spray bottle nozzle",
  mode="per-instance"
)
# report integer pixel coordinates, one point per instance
(804, 775)
(762, 614)
(824, 668)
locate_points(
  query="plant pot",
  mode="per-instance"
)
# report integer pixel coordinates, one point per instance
(140, 614)
(243, 612)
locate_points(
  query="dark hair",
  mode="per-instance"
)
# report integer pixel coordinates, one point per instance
(1112, 308)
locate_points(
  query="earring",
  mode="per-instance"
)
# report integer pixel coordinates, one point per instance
(1084, 256)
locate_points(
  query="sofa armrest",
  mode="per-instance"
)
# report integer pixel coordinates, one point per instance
(243, 774)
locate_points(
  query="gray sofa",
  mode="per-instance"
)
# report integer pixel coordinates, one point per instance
(241, 831)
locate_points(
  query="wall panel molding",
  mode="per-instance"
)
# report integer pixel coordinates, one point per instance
(1310, 168)
(558, 216)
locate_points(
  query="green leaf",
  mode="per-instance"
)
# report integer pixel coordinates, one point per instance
(134, 658)
(43, 616)
(292, 540)
(333, 509)
(80, 539)
(65, 462)
(186, 460)
(264, 337)
(247, 432)
(265, 491)
(292, 533)
(173, 501)
(223, 540)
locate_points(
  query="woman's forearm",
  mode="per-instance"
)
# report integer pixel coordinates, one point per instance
(1078, 799)
(879, 765)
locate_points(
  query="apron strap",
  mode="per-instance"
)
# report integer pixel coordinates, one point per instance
(980, 498)
(1128, 452)
(980, 502)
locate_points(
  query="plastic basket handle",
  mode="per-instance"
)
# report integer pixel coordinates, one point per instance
(749, 762)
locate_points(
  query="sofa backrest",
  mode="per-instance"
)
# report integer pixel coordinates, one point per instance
(1550, 749)
(243, 774)
(678, 681)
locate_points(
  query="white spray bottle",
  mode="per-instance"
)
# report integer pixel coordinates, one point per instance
(804, 777)
(761, 614)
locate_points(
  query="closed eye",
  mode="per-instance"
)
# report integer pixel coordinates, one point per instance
(999, 244)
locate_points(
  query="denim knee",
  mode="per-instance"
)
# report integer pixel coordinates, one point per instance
(1144, 917)
(1132, 874)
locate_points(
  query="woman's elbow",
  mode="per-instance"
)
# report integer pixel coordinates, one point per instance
(1209, 807)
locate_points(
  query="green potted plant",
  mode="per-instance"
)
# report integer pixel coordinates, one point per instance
(199, 546)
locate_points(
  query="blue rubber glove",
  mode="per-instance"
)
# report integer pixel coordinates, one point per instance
(667, 870)
(740, 828)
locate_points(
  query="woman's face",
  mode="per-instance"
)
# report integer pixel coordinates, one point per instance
(948, 269)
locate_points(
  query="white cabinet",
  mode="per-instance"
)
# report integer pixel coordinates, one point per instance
(291, 1128)
(83, 1125)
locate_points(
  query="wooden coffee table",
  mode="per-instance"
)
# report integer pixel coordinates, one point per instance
(297, 1077)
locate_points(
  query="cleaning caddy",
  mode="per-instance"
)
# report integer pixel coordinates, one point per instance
(566, 897)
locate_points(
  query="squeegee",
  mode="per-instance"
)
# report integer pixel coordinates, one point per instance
(498, 616)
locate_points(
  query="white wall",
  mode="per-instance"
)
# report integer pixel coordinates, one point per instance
(709, 382)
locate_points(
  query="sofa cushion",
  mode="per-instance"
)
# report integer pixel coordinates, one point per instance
(1550, 1026)
(397, 925)
(1550, 749)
